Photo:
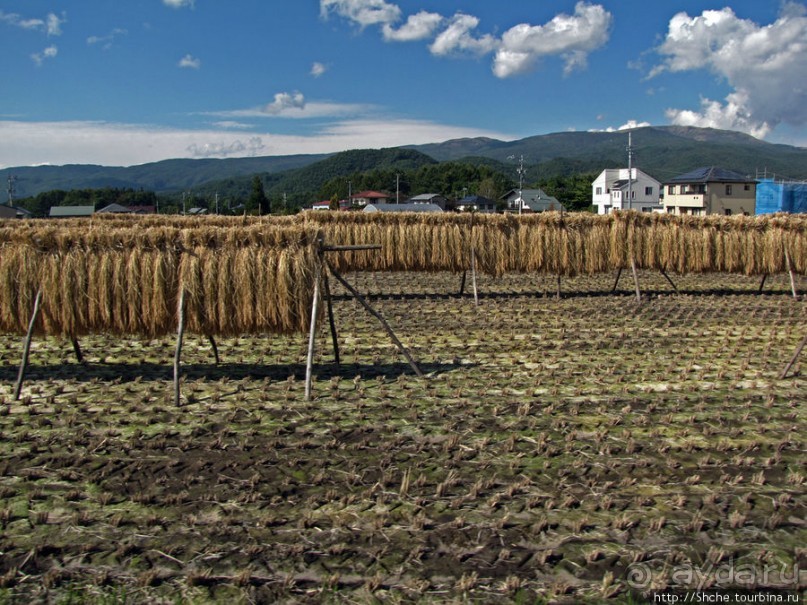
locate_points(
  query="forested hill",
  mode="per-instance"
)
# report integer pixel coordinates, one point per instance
(160, 177)
(663, 152)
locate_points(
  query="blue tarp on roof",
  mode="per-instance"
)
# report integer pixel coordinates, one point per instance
(781, 197)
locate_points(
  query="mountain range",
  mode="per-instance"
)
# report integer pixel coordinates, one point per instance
(663, 152)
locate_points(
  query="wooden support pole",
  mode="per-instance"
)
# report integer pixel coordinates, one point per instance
(794, 358)
(350, 248)
(473, 274)
(180, 335)
(309, 364)
(670, 281)
(616, 281)
(792, 274)
(334, 338)
(462, 283)
(636, 280)
(375, 314)
(77, 349)
(473, 262)
(762, 283)
(557, 288)
(26, 350)
(215, 349)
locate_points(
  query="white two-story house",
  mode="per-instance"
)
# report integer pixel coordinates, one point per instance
(614, 190)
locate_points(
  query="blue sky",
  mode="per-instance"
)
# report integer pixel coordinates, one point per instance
(133, 81)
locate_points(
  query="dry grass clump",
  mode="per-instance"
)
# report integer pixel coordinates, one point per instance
(256, 274)
(568, 244)
(252, 279)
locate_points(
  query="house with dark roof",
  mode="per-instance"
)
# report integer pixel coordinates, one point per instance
(710, 190)
(115, 208)
(476, 203)
(531, 200)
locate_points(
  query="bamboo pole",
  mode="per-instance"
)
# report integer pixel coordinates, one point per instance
(635, 280)
(327, 290)
(616, 281)
(180, 335)
(667, 277)
(762, 283)
(312, 332)
(792, 274)
(215, 349)
(77, 350)
(794, 358)
(350, 248)
(26, 350)
(378, 316)
(473, 262)
(473, 274)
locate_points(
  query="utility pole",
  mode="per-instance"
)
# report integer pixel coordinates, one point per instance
(217, 202)
(630, 172)
(520, 184)
(521, 172)
(397, 188)
(11, 190)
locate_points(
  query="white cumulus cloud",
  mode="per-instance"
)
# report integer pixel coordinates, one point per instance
(51, 25)
(572, 37)
(318, 69)
(629, 125)
(457, 37)
(284, 101)
(49, 53)
(190, 62)
(179, 3)
(362, 12)
(765, 65)
(419, 26)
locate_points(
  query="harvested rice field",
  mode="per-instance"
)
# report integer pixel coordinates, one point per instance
(585, 449)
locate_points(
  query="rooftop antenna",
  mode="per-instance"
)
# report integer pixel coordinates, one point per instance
(11, 189)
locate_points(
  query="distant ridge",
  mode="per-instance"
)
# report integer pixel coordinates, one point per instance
(662, 151)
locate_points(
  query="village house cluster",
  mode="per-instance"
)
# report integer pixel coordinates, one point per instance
(706, 190)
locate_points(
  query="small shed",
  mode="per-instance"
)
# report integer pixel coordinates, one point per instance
(19, 212)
